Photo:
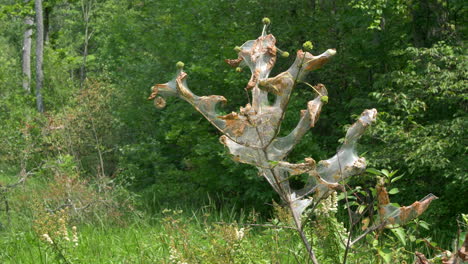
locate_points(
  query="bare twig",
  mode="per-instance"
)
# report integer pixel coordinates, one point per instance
(310, 251)
(283, 110)
(260, 225)
(70, 204)
(286, 198)
(351, 225)
(315, 89)
(368, 230)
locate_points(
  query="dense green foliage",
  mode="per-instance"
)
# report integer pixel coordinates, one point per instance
(405, 58)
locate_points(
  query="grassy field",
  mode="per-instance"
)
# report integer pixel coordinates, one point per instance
(31, 232)
(171, 237)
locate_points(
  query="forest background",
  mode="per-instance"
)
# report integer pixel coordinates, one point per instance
(98, 133)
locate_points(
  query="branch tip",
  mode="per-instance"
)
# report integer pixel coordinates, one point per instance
(308, 46)
(180, 65)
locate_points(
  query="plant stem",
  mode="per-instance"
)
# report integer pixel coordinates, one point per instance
(296, 81)
(299, 229)
(285, 197)
(351, 224)
(259, 225)
(367, 232)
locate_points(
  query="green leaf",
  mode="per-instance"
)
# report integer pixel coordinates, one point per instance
(400, 234)
(361, 209)
(392, 173)
(465, 218)
(375, 242)
(340, 196)
(397, 178)
(424, 224)
(351, 204)
(373, 171)
(394, 191)
(419, 241)
(386, 254)
(385, 172)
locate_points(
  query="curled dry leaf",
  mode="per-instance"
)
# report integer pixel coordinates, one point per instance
(420, 258)
(234, 63)
(400, 215)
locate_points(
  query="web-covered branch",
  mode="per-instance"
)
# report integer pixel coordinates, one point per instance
(251, 134)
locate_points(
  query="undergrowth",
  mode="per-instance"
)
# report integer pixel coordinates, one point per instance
(35, 233)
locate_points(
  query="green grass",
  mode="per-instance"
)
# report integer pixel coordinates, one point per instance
(197, 238)
(206, 234)
(175, 237)
(133, 244)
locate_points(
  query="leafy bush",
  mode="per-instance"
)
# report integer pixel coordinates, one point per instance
(422, 124)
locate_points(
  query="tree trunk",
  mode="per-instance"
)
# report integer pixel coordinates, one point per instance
(47, 11)
(27, 54)
(39, 54)
(85, 56)
(86, 8)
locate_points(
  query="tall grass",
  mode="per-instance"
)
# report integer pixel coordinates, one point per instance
(205, 234)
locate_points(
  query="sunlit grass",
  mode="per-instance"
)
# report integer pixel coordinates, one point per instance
(201, 234)
(152, 240)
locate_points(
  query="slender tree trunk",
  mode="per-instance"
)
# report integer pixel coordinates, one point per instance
(47, 11)
(39, 55)
(86, 8)
(301, 233)
(85, 56)
(27, 54)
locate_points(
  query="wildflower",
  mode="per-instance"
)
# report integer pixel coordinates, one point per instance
(74, 236)
(63, 229)
(334, 202)
(329, 205)
(173, 254)
(240, 234)
(47, 238)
